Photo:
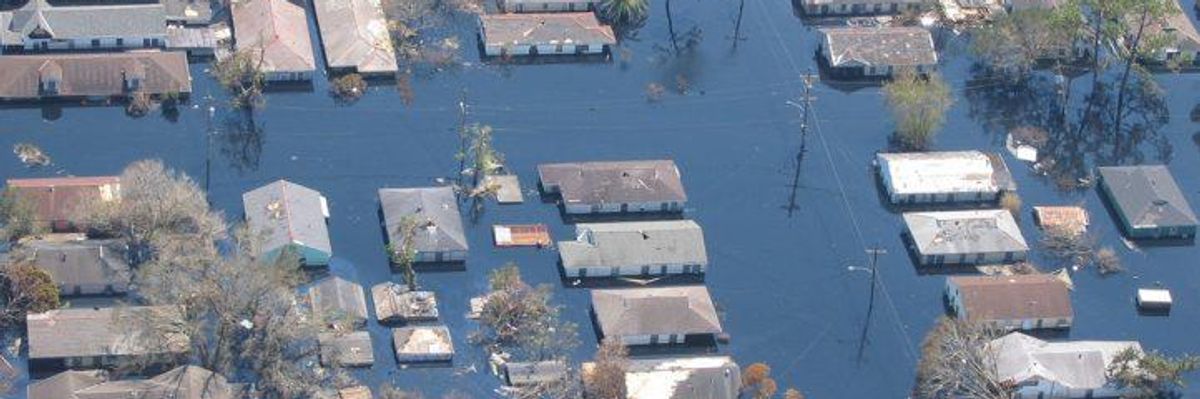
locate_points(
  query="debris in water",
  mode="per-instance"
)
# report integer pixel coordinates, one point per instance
(31, 155)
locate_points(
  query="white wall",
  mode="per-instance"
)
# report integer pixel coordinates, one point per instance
(655, 270)
(130, 42)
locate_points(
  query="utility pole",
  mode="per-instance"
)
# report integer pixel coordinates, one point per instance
(874, 253)
(805, 109)
(209, 112)
(462, 134)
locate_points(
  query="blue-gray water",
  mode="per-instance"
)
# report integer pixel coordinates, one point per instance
(780, 278)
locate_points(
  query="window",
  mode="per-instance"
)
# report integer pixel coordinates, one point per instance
(95, 43)
(558, 48)
(545, 6)
(146, 43)
(120, 42)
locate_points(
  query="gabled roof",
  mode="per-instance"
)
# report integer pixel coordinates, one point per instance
(58, 199)
(1148, 196)
(708, 377)
(877, 46)
(40, 19)
(1017, 297)
(93, 74)
(334, 296)
(352, 349)
(284, 213)
(355, 35)
(632, 244)
(276, 28)
(198, 12)
(945, 172)
(965, 232)
(86, 332)
(1075, 364)
(435, 208)
(655, 311)
(90, 262)
(186, 382)
(545, 29)
(614, 182)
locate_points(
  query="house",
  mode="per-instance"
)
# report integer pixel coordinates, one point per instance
(518, 374)
(634, 249)
(423, 344)
(975, 237)
(184, 382)
(534, 6)
(57, 201)
(521, 235)
(89, 267)
(188, 12)
(822, 8)
(508, 188)
(41, 26)
(615, 187)
(438, 230)
(1058, 370)
(101, 337)
(93, 76)
(1148, 202)
(338, 299)
(652, 316)
(352, 349)
(275, 32)
(944, 177)
(286, 216)
(355, 36)
(394, 302)
(703, 377)
(1071, 219)
(577, 33)
(873, 52)
(1024, 302)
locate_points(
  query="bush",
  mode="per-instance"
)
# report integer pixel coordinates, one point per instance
(918, 105)
(139, 104)
(349, 87)
(1107, 261)
(25, 289)
(654, 92)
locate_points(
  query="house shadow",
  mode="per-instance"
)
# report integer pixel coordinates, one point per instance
(433, 364)
(886, 203)
(617, 217)
(609, 282)
(1115, 217)
(1153, 312)
(289, 87)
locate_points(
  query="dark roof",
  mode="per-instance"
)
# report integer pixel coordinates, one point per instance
(527, 373)
(350, 350)
(614, 182)
(335, 296)
(58, 199)
(434, 207)
(1016, 297)
(94, 74)
(655, 311)
(544, 29)
(875, 46)
(90, 262)
(197, 12)
(355, 35)
(39, 17)
(284, 213)
(86, 332)
(185, 382)
(1148, 196)
(278, 28)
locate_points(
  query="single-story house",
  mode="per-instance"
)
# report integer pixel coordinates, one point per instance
(423, 344)
(534, 6)
(544, 34)
(821, 8)
(871, 52)
(652, 316)
(395, 303)
(188, 12)
(634, 249)
(439, 233)
(1148, 202)
(974, 237)
(1072, 219)
(286, 216)
(1017, 302)
(338, 299)
(89, 267)
(100, 337)
(615, 187)
(702, 377)
(93, 76)
(355, 36)
(57, 201)
(41, 26)
(184, 382)
(1059, 370)
(944, 177)
(276, 33)
(352, 349)
(518, 374)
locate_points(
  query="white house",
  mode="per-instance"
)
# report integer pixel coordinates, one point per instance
(1058, 370)
(635, 249)
(655, 316)
(975, 237)
(40, 26)
(943, 177)
(1018, 302)
(578, 33)
(686, 377)
(820, 8)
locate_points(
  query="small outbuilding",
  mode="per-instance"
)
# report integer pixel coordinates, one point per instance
(423, 344)
(351, 349)
(508, 188)
(395, 303)
(1148, 202)
(338, 299)
(656, 248)
(517, 374)
(876, 52)
(653, 316)
(439, 235)
(56, 201)
(1072, 219)
(88, 267)
(976, 237)
(577, 33)
(944, 177)
(289, 217)
(615, 187)
(1151, 299)
(355, 392)
(1017, 302)
(521, 235)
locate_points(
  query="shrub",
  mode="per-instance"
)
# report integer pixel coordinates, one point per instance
(654, 92)
(139, 104)
(1107, 261)
(349, 88)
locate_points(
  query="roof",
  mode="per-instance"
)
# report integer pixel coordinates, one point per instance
(41, 19)
(354, 392)
(528, 373)
(395, 301)
(276, 28)
(614, 182)
(965, 232)
(1078, 365)
(334, 296)
(79, 263)
(710, 377)
(420, 340)
(879, 46)
(633, 244)
(1147, 196)
(849, 2)
(188, 11)
(351, 349)
(355, 35)
(1149, 295)
(1016, 297)
(93, 74)
(58, 198)
(508, 188)
(85, 332)
(1179, 25)
(284, 213)
(521, 235)
(545, 29)
(655, 311)
(1071, 218)
(945, 172)
(434, 207)
(186, 382)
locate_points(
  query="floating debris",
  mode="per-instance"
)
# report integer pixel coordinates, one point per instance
(31, 155)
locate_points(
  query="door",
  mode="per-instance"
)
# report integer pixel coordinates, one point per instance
(665, 206)
(583, 272)
(662, 270)
(624, 207)
(653, 340)
(645, 270)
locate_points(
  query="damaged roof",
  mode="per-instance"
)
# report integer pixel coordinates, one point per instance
(965, 232)
(544, 29)
(355, 35)
(436, 210)
(879, 46)
(614, 182)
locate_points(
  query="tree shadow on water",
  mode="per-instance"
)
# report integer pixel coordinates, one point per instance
(241, 141)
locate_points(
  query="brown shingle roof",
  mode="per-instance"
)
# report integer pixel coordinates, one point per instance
(93, 74)
(355, 35)
(58, 199)
(87, 332)
(614, 182)
(278, 28)
(655, 311)
(1015, 297)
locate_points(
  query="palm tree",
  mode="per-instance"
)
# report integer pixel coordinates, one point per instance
(624, 12)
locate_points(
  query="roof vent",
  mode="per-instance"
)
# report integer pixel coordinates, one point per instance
(1160, 202)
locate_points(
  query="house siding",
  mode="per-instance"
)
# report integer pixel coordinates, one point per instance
(106, 43)
(656, 339)
(310, 257)
(862, 7)
(546, 6)
(441, 257)
(526, 50)
(972, 258)
(632, 207)
(288, 76)
(650, 269)
(93, 289)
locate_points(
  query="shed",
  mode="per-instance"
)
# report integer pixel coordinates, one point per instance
(93, 76)
(578, 33)
(289, 217)
(423, 344)
(440, 236)
(975, 237)
(508, 188)
(857, 52)
(652, 316)
(395, 303)
(336, 298)
(944, 177)
(355, 36)
(615, 187)
(1153, 299)
(99, 337)
(1148, 202)
(634, 249)
(351, 349)
(90, 267)
(1025, 302)
(275, 32)
(521, 235)
(532, 373)
(1072, 219)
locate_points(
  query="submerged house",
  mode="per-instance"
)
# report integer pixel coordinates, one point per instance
(1058, 370)
(93, 76)
(547, 5)
(101, 337)
(338, 299)
(352, 349)
(634, 249)
(56, 202)
(355, 36)
(653, 316)
(288, 217)
(1017, 302)
(423, 344)
(976, 237)
(395, 302)
(615, 187)
(703, 377)
(276, 33)
(41, 26)
(520, 374)
(438, 232)
(87, 267)
(1148, 202)
(944, 177)
(820, 8)
(544, 34)
(873, 52)
(184, 382)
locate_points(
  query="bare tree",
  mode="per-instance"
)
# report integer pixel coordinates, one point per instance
(24, 289)
(404, 254)
(1150, 375)
(519, 319)
(956, 361)
(17, 217)
(606, 379)
(241, 74)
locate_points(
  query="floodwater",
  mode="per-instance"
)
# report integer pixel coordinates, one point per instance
(787, 243)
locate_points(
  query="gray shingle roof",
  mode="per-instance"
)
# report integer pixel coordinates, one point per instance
(335, 296)
(82, 263)
(186, 382)
(434, 207)
(633, 244)
(83, 22)
(1075, 364)
(1148, 196)
(284, 213)
(871, 46)
(655, 311)
(353, 349)
(94, 74)
(965, 232)
(277, 28)
(614, 182)
(708, 377)
(544, 29)
(83, 332)
(355, 35)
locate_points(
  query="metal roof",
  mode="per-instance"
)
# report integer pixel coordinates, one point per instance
(655, 311)
(284, 213)
(1148, 196)
(632, 244)
(434, 207)
(965, 232)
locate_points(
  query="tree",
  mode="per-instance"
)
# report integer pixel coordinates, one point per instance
(479, 154)
(1016, 41)
(139, 104)
(1140, 42)
(624, 13)
(918, 106)
(17, 216)
(519, 319)
(405, 254)
(757, 381)
(24, 289)
(793, 394)
(241, 74)
(956, 361)
(1011, 202)
(349, 88)
(606, 379)
(1150, 375)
